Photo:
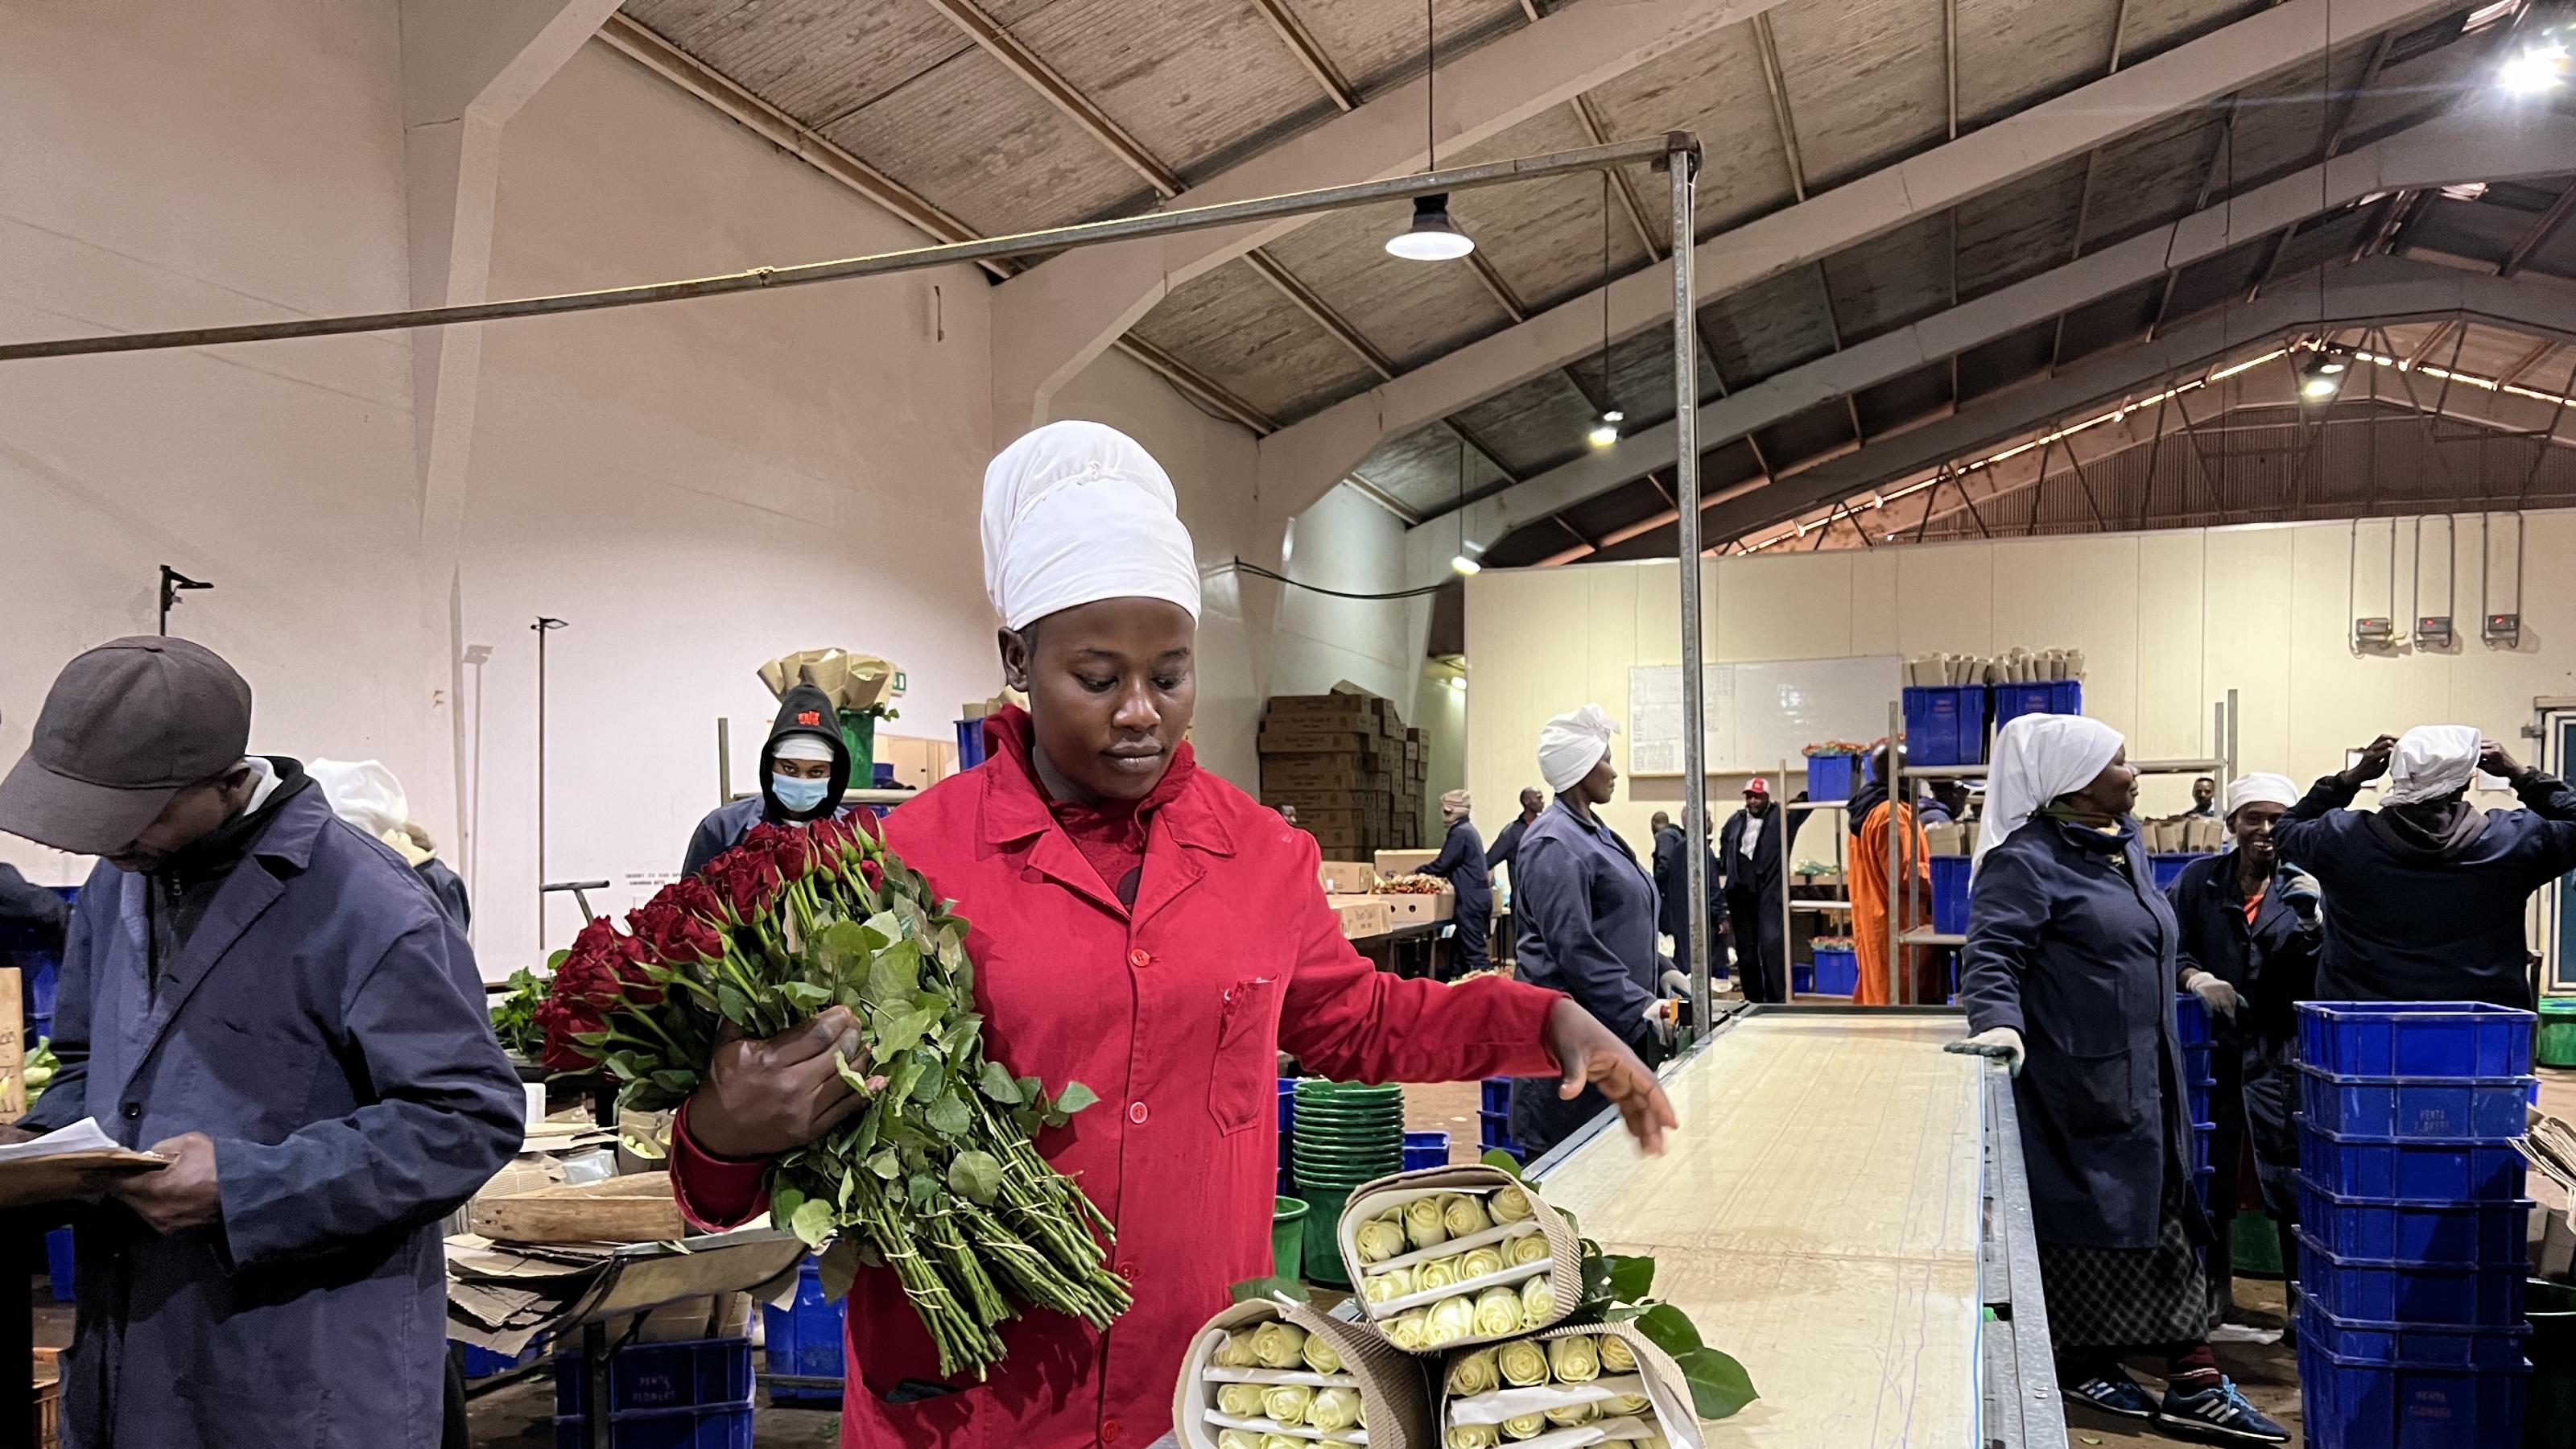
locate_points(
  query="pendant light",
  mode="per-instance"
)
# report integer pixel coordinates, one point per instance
(1605, 429)
(1432, 237)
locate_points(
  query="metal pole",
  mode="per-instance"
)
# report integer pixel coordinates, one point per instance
(1681, 158)
(1788, 928)
(724, 760)
(2233, 715)
(543, 626)
(761, 279)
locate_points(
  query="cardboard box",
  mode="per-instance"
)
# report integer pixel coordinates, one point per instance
(1275, 740)
(1326, 772)
(1412, 910)
(1404, 862)
(1346, 877)
(1362, 916)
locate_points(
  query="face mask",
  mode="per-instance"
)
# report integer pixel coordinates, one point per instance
(798, 795)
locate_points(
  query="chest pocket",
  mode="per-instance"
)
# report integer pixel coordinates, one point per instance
(1243, 1079)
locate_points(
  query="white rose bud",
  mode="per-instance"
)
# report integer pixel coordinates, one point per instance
(1380, 1239)
(1482, 1263)
(1282, 1441)
(1498, 1312)
(1625, 1404)
(1471, 1436)
(1616, 1356)
(1566, 1416)
(1649, 1441)
(1382, 1287)
(1405, 1329)
(1438, 1273)
(1463, 1215)
(1538, 1301)
(1236, 1351)
(1334, 1409)
(1279, 1345)
(1475, 1373)
(1523, 1363)
(1450, 1320)
(1287, 1403)
(1530, 1249)
(1237, 1439)
(1510, 1205)
(1321, 1356)
(1423, 1226)
(1575, 1360)
(1527, 1426)
(1239, 1401)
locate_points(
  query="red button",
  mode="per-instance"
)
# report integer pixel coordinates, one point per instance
(1136, 1114)
(1127, 1271)
(1140, 958)
(1109, 1431)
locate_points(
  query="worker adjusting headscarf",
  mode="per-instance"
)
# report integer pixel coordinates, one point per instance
(1571, 744)
(1456, 805)
(1077, 512)
(2039, 757)
(366, 794)
(2432, 762)
(2260, 788)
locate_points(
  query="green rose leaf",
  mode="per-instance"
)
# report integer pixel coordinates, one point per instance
(849, 1074)
(949, 1116)
(886, 1165)
(812, 1222)
(805, 993)
(1268, 1290)
(1669, 1329)
(1074, 1098)
(838, 1266)
(905, 1076)
(783, 1203)
(924, 1189)
(883, 930)
(1032, 1090)
(677, 1081)
(1504, 1161)
(1629, 1277)
(1719, 1385)
(976, 1176)
(735, 1006)
(995, 1082)
(901, 1033)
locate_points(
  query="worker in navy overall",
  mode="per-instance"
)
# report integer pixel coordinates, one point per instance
(273, 1002)
(2068, 977)
(2250, 933)
(1750, 851)
(2429, 891)
(1507, 844)
(1585, 912)
(804, 769)
(1672, 888)
(1461, 862)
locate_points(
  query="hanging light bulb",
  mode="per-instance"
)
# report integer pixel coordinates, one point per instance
(2542, 65)
(1433, 237)
(2321, 373)
(1465, 566)
(1605, 432)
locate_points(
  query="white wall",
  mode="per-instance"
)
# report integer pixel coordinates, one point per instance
(2168, 622)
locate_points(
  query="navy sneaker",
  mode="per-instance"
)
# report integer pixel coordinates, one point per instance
(2220, 1413)
(2113, 1393)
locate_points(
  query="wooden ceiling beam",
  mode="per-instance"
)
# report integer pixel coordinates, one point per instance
(1324, 316)
(1775, 81)
(1309, 52)
(1076, 107)
(2538, 234)
(1598, 135)
(1197, 384)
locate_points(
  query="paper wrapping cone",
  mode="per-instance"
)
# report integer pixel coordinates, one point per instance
(1395, 1390)
(1565, 1249)
(851, 681)
(1666, 1387)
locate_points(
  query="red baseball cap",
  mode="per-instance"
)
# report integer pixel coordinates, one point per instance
(1757, 786)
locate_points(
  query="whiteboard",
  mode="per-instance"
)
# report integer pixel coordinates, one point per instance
(1758, 714)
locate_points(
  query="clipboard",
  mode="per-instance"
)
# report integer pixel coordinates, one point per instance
(71, 1175)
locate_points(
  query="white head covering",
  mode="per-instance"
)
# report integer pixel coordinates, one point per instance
(1078, 512)
(2260, 788)
(362, 792)
(2431, 761)
(2039, 757)
(1572, 744)
(811, 749)
(1456, 802)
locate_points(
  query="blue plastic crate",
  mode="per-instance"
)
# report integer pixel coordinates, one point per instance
(1287, 1105)
(2429, 1345)
(726, 1426)
(2473, 1295)
(1945, 724)
(2439, 1231)
(1802, 978)
(1498, 1094)
(2200, 1102)
(1836, 972)
(2012, 701)
(1832, 777)
(483, 1363)
(1497, 1129)
(2411, 1169)
(695, 1374)
(2202, 1134)
(58, 1262)
(1425, 1149)
(2197, 1072)
(2416, 1038)
(2347, 1404)
(2167, 868)
(801, 1343)
(2474, 1108)
(970, 743)
(2191, 1019)
(1950, 894)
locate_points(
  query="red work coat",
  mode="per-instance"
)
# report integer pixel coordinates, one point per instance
(1173, 1012)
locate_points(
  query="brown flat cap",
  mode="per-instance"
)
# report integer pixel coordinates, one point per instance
(126, 726)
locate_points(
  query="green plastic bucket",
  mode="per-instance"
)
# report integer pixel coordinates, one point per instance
(2254, 1244)
(2549, 1422)
(1322, 1253)
(1287, 1237)
(2558, 1032)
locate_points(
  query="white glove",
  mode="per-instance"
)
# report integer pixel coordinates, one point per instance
(2214, 993)
(1676, 982)
(1662, 1018)
(1999, 1042)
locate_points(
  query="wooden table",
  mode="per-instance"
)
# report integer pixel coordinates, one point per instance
(1839, 1210)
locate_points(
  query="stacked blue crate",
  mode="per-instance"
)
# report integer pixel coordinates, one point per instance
(802, 1343)
(661, 1396)
(2411, 1223)
(1287, 1134)
(2191, 1025)
(1497, 1118)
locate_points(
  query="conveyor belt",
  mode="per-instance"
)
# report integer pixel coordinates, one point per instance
(1827, 1215)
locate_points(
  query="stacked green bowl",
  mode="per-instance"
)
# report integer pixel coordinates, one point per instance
(1346, 1135)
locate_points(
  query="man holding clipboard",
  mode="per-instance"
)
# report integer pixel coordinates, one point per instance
(274, 1004)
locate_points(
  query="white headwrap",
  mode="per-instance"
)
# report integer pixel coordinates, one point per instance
(2260, 788)
(362, 792)
(2431, 761)
(1078, 512)
(1572, 744)
(2039, 757)
(809, 749)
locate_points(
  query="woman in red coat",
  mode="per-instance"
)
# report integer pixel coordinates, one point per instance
(1142, 927)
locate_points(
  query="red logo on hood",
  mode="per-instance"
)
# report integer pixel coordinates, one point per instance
(809, 717)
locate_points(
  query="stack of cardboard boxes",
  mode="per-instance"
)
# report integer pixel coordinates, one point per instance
(1351, 768)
